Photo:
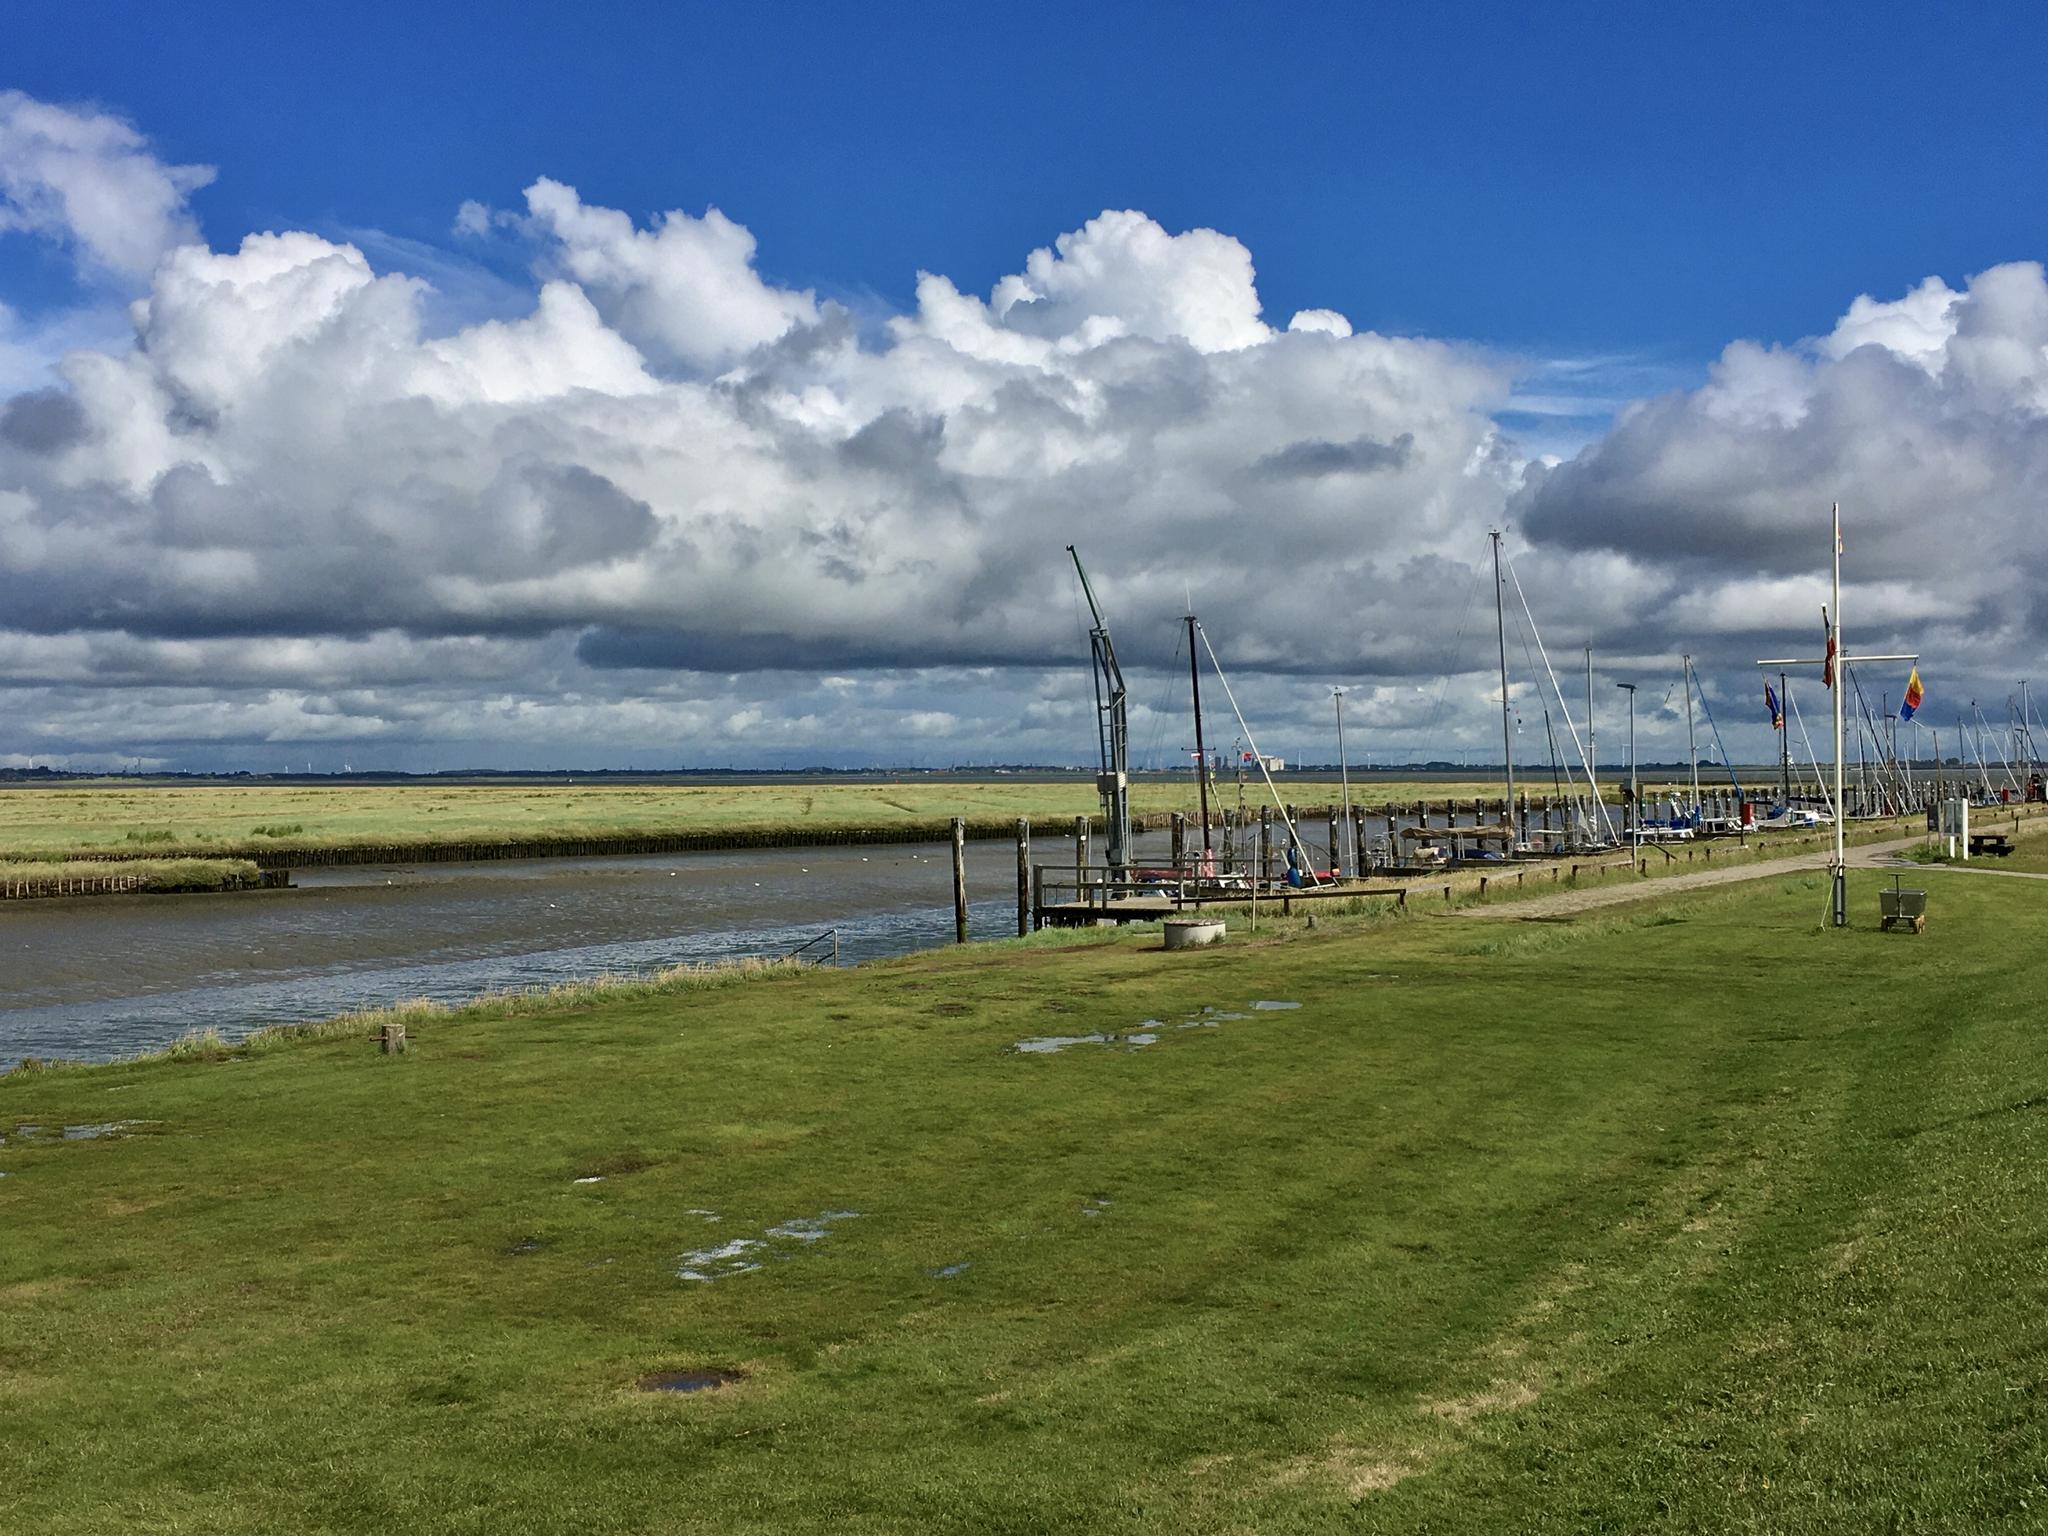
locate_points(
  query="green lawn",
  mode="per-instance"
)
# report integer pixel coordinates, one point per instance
(1697, 1218)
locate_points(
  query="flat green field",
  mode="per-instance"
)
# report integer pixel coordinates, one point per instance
(246, 819)
(1694, 1219)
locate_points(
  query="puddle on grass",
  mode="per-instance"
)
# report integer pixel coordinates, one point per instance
(705, 1380)
(948, 1271)
(589, 1178)
(708, 1264)
(525, 1246)
(1047, 1044)
(1147, 1031)
(97, 1132)
(808, 1229)
(743, 1255)
(1096, 1205)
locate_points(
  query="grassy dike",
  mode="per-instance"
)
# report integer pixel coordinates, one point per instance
(256, 820)
(1693, 1218)
(44, 877)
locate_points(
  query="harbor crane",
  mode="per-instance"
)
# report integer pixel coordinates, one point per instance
(1113, 729)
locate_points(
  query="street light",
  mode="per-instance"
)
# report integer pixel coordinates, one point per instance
(1635, 830)
(1344, 769)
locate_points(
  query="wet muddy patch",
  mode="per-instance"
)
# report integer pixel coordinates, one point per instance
(703, 1379)
(744, 1255)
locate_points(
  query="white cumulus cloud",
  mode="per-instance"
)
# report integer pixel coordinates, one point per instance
(89, 179)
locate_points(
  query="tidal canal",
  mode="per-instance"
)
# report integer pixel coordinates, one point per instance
(100, 978)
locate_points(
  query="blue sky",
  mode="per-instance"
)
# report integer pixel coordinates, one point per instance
(591, 481)
(1567, 179)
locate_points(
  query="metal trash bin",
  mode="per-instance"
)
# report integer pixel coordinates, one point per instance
(1902, 906)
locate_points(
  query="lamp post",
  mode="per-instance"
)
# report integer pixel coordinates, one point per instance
(1344, 772)
(1635, 830)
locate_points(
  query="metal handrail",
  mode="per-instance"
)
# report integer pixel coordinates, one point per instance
(830, 935)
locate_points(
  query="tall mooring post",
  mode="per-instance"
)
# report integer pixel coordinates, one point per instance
(1023, 877)
(1180, 841)
(1336, 847)
(959, 880)
(1080, 858)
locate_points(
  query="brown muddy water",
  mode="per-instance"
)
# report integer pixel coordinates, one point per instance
(99, 979)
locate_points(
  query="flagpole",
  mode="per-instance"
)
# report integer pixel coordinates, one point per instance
(1842, 812)
(1834, 664)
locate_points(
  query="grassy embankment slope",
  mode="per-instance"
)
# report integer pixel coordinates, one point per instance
(1699, 1219)
(237, 821)
(149, 874)
(221, 819)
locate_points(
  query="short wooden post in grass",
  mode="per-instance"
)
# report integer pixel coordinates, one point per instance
(1023, 877)
(391, 1040)
(959, 880)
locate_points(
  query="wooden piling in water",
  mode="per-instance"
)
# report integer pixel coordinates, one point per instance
(959, 880)
(1080, 858)
(1023, 876)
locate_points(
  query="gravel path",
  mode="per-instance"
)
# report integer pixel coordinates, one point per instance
(1566, 903)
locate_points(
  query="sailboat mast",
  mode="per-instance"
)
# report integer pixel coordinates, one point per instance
(1785, 740)
(1201, 747)
(1691, 746)
(1507, 731)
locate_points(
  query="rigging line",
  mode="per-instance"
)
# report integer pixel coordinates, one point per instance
(1727, 764)
(1529, 661)
(1287, 821)
(1985, 726)
(1592, 783)
(1826, 798)
(1977, 746)
(1887, 760)
(1167, 710)
(1450, 656)
(1866, 728)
